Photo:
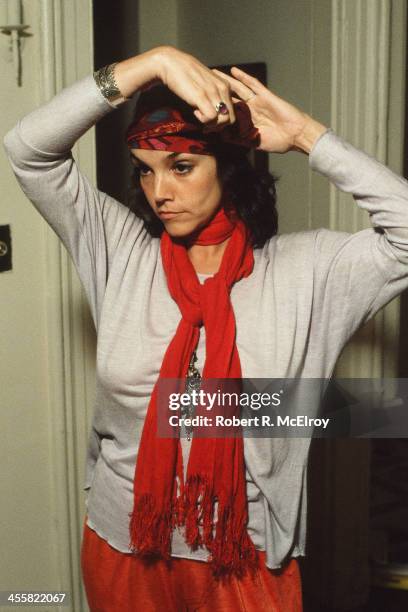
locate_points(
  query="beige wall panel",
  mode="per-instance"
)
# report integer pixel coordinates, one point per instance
(157, 23)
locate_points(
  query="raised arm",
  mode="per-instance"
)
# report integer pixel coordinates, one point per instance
(357, 274)
(39, 150)
(89, 222)
(354, 274)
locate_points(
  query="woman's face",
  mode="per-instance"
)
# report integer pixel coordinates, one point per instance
(183, 189)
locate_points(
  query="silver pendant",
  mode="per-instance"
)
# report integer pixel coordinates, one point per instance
(193, 382)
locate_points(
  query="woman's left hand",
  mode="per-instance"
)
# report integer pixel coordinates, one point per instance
(282, 126)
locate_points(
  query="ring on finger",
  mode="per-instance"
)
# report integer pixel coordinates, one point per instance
(222, 108)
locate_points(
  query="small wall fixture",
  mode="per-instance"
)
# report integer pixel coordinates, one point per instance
(11, 13)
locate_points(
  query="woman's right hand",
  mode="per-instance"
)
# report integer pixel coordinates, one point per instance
(185, 75)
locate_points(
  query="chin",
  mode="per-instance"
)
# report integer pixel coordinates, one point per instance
(180, 230)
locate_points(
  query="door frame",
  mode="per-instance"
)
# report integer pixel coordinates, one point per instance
(66, 55)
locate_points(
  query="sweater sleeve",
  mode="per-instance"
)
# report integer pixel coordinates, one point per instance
(357, 274)
(88, 221)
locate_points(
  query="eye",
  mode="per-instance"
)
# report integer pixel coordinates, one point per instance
(183, 167)
(142, 169)
(178, 167)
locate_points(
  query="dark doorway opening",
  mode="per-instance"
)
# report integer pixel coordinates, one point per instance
(116, 37)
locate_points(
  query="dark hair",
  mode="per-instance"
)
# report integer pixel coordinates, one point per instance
(252, 192)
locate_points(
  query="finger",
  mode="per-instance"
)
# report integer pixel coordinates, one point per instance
(208, 125)
(205, 118)
(219, 91)
(199, 115)
(209, 92)
(213, 126)
(221, 119)
(207, 112)
(248, 80)
(237, 87)
(225, 96)
(228, 79)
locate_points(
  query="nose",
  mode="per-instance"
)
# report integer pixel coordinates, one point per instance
(162, 189)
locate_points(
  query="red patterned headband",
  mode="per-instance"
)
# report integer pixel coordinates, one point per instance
(171, 129)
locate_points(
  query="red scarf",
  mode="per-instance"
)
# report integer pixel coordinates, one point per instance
(216, 469)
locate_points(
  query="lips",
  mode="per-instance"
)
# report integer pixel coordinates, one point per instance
(167, 214)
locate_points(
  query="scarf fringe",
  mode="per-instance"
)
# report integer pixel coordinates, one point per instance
(198, 507)
(150, 529)
(232, 551)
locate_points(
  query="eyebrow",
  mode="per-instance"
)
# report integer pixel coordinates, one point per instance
(167, 157)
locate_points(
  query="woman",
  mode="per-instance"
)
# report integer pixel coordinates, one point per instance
(190, 274)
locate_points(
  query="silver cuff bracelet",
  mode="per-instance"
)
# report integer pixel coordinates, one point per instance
(105, 79)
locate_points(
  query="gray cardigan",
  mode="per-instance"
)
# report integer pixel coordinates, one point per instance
(307, 295)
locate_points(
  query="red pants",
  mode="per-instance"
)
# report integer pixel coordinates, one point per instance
(119, 582)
